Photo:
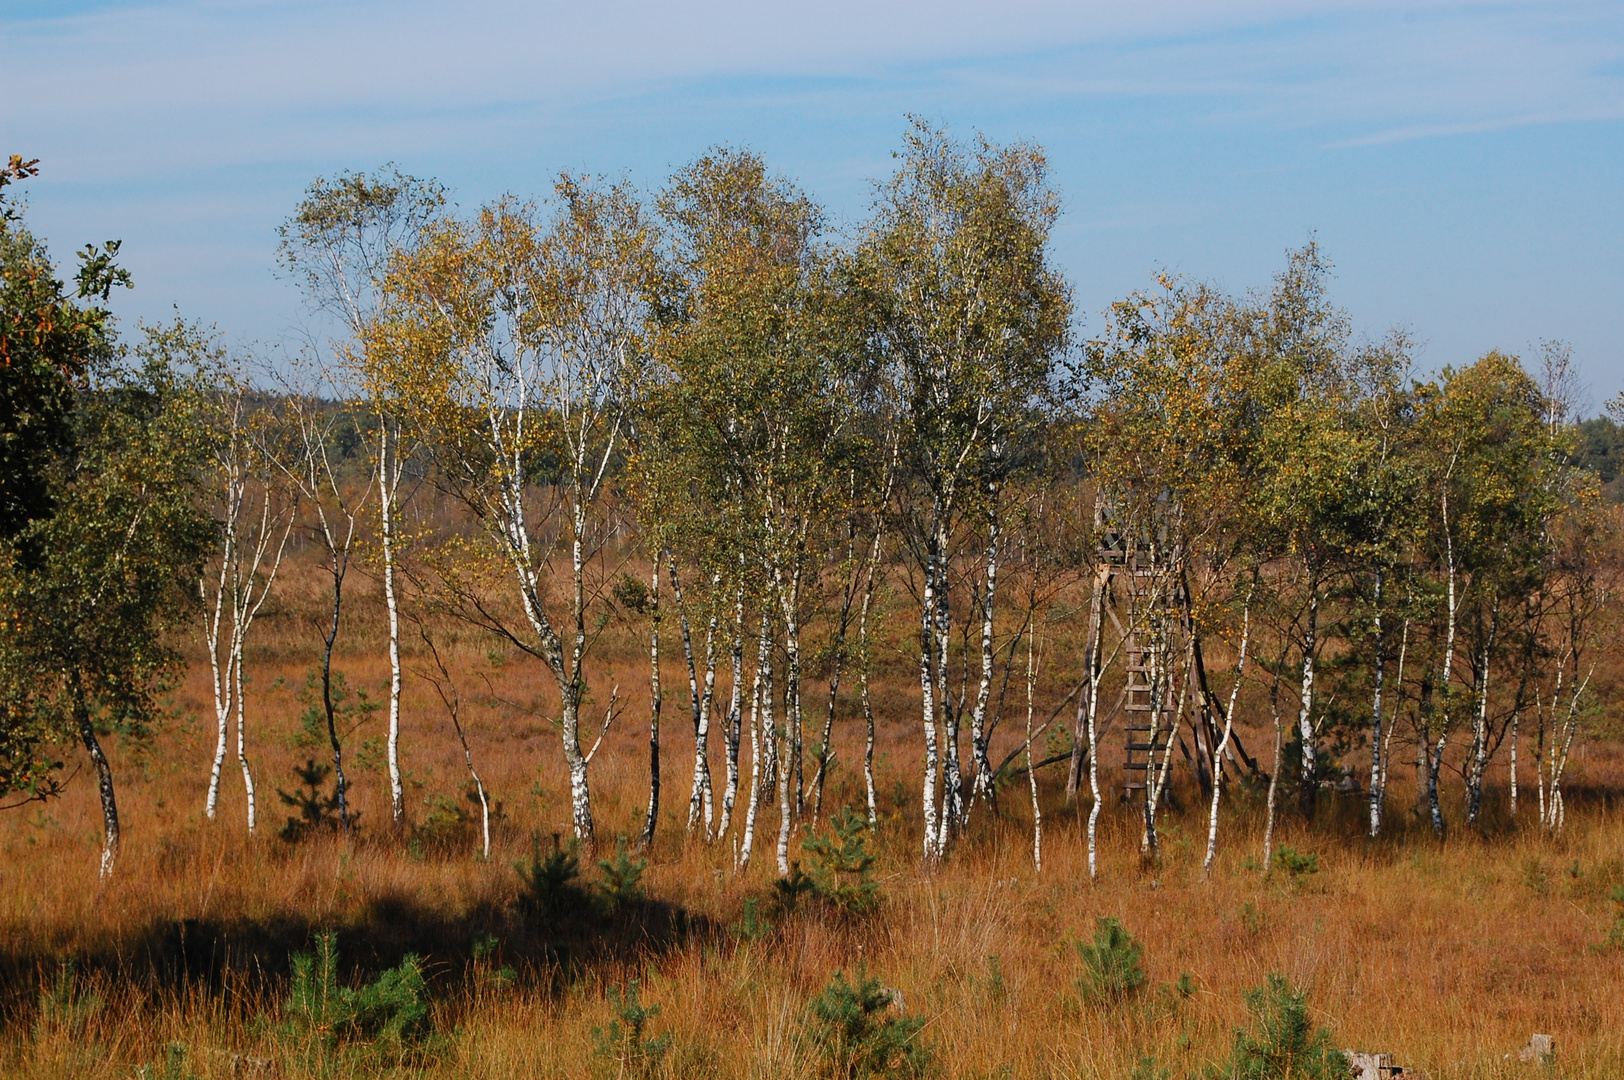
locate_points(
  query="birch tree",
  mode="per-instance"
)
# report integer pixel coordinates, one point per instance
(971, 318)
(510, 345)
(315, 457)
(762, 367)
(338, 245)
(254, 517)
(1302, 388)
(1485, 444)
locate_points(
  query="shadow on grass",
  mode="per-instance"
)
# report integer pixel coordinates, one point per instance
(251, 958)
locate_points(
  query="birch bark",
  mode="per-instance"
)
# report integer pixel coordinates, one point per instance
(652, 817)
(1229, 729)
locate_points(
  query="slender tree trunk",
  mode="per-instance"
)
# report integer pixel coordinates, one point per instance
(1031, 771)
(1274, 775)
(340, 784)
(1074, 772)
(952, 712)
(763, 738)
(978, 716)
(1091, 652)
(1435, 762)
(573, 683)
(699, 798)
(242, 743)
(793, 717)
(1095, 676)
(1560, 755)
(238, 598)
(707, 702)
(388, 477)
(1308, 778)
(651, 819)
(824, 751)
(1378, 798)
(1480, 731)
(1435, 758)
(731, 730)
(104, 778)
(1376, 713)
(863, 660)
(1539, 740)
(1229, 728)
(838, 649)
(1515, 717)
(927, 694)
(781, 766)
(221, 682)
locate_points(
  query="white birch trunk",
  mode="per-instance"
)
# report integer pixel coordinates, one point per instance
(731, 729)
(1480, 732)
(651, 817)
(1229, 728)
(1096, 675)
(700, 811)
(763, 740)
(1274, 775)
(1308, 773)
(978, 716)
(1376, 714)
(242, 745)
(220, 683)
(862, 678)
(952, 779)
(927, 693)
(1435, 757)
(1031, 771)
(388, 482)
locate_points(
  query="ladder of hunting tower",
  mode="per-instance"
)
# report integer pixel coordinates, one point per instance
(1148, 735)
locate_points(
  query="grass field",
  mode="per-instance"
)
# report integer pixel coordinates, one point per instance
(1448, 955)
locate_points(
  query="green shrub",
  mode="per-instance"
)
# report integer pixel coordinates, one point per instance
(487, 951)
(1296, 863)
(623, 1045)
(787, 891)
(393, 1007)
(842, 866)
(548, 890)
(621, 883)
(1284, 1044)
(751, 926)
(63, 1003)
(858, 1036)
(317, 810)
(1113, 966)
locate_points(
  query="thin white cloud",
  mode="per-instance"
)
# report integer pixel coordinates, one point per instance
(145, 113)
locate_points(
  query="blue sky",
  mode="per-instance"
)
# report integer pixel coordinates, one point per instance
(1462, 163)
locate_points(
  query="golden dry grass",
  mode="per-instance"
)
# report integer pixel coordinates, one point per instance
(1448, 955)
